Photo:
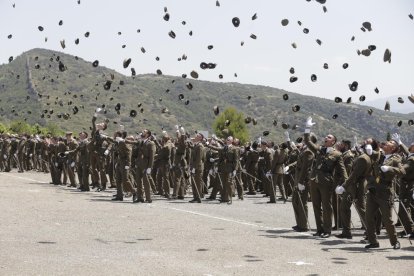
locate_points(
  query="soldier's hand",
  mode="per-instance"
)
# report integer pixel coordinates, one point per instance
(286, 170)
(126, 167)
(212, 160)
(301, 187)
(149, 171)
(106, 152)
(368, 149)
(309, 122)
(261, 158)
(339, 190)
(210, 172)
(193, 171)
(397, 138)
(385, 168)
(287, 137)
(72, 165)
(244, 170)
(234, 173)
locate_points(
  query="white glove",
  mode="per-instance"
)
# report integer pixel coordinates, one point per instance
(339, 190)
(207, 143)
(268, 174)
(72, 164)
(56, 164)
(149, 171)
(355, 141)
(182, 130)
(286, 169)
(176, 127)
(261, 158)
(66, 153)
(413, 195)
(215, 169)
(126, 167)
(397, 138)
(287, 138)
(212, 160)
(5, 156)
(214, 137)
(309, 122)
(301, 187)
(368, 149)
(106, 152)
(385, 168)
(193, 171)
(119, 139)
(30, 155)
(234, 173)
(244, 170)
(210, 172)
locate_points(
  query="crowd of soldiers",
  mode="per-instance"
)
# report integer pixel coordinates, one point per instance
(333, 175)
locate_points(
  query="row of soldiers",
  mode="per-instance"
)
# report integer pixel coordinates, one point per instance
(332, 175)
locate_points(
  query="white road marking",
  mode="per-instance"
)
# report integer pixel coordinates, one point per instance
(24, 178)
(300, 263)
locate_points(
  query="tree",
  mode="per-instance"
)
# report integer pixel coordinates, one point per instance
(236, 127)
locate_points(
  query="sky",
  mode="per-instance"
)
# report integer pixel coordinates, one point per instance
(263, 61)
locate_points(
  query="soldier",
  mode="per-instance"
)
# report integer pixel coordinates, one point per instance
(197, 168)
(12, 156)
(164, 163)
(144, 167)
(328, 161)
(353, 189)
(99, 150)
(380, 194)
(226, 168)
(122, 166)
(212, 156)
(406, 193)
(83, 161)
(238, 181)
(251, 167)
(180, 164)
(303, 167)
(265, 165)
(70, 163)
(20, 154)
(277, 171)
(30, 153)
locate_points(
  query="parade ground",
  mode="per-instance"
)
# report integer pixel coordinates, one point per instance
(55, 230)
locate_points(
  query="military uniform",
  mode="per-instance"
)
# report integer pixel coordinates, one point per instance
(148, 153)
(164, 163)
(278, 161)
(197, 168)
(71, 162)
(328, 162)
(180, 167)
(251, 167)
(97, 157)
(303, 169)
(381, 196)
(355, 187)
(122, 168)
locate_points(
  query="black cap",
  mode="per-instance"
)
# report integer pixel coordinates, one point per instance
(87, 34)
(285, 97)
(372, 47)
(210, 47)
(9, 36)
(247, 120)
(249, 97)
(253, 36)
(387, 106)
(319, 41)
(133, 113)
(314, 78)
(126, 62)
(411, 16)
(376, 90)
(254, 121)
(411, 98)
(203, 65)
(293, 79)
(62, 44)
(166, 16)
(285, 22)
(274, 122)
(294, 127)
(399, 123)
(285, 126)
(400, 100)
(217, 3)
(299, 140)
(338, 100)
(366, 52)
(62, 66)
(194, 74)
(387, 56)
(189, 86)
(295, 108)
(349, 100)
(353, 86)
(40, 28)
(211, 65)
(362, 98)
(77, 41)
(159, 72)
(143, 50)
(306, 30)
(410, 122)
(60, 22)
(95, 63)
(352, 38)
(367, 25)
(118, 107)
(187, 102)
(266, 132)
(325, 10)
(227, 123)
(345, 65)
(181, 97)
(236, 22)
(10, 58)
(292, 70)
(216, 110)
(294, 45)
(220, 76)
(172, 34)
(334, 116)
(254, 17)
(107, 85)
(325, 66)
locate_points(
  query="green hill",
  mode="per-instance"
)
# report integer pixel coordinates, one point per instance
(33, 88)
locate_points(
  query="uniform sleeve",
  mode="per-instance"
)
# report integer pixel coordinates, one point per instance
(359, 169)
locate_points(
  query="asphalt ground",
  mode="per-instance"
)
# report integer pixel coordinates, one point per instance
(56, 230)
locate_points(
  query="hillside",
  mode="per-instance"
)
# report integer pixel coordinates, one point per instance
(33, 88)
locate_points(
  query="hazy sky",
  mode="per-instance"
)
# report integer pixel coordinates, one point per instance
(264, 61)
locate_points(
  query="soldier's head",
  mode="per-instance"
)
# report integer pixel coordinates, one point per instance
(145, 134)
(254, 145)
(199, 137)
(330, 140)
(229, 140)
(83, 135)
(236, 142)
(411, 148)
(101, 126)
(69, 135)
(270, 144)
(118, 134)
(390, 147)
